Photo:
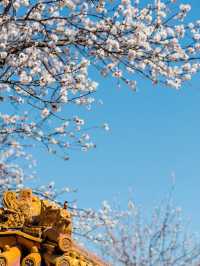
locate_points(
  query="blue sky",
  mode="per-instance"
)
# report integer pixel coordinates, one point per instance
(155, 134)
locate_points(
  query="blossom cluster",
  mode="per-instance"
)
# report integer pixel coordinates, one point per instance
(48, 48)
(16, 166)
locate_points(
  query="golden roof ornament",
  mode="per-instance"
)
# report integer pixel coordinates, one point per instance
(36, 232)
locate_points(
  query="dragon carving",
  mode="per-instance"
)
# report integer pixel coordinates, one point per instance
(36, 232)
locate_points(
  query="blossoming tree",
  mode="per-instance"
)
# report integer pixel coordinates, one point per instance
(47, 51)
(127, 238)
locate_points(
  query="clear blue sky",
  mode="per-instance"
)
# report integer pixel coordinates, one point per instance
(154, 133)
